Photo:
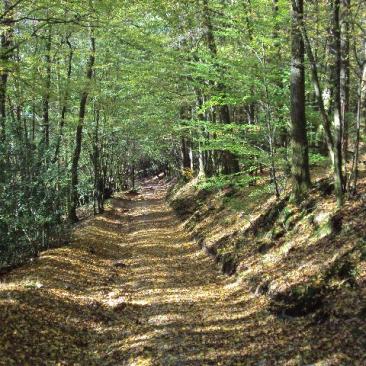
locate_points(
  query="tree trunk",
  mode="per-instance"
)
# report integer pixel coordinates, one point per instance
(338, 174)
(133, 177)
(98, 180)
(64, 101)
(201, 117)
(299, 142)
(318, 93)
(251, 107)
(47, 90)
(79, 135)
(229, 160)
(186, 156)
(345, 77)
(361, 117)
(5, 55)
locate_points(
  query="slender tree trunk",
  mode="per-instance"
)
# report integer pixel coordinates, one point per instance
(186, 156)
(230, 161)
(345, 78)
(338, 174)
(299, 142)
(318, 93)
(33, 122)
(79, 135)
(98, 181)
(361, 117)
(271, 144)
(251, 107)
(201, 132)
(5, 55)
(280, 114)
(47, 91)
(185, 145)
(64, 101)
(201, 166)
(133, 177)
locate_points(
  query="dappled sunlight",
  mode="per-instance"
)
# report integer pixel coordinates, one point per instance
(133, 289)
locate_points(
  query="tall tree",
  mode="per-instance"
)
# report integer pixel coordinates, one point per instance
(229, 160)
(79, 135)
(299, 142)
(47, 88)
(345, 76)
(360, 115)
(336, 33)
(64, 98)
(5, 55)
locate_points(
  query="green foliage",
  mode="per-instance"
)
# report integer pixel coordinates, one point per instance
(159, 77)
(317, 159)
(32, 206)
(222, 181)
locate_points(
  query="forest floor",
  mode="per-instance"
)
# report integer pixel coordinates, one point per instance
(132, 288)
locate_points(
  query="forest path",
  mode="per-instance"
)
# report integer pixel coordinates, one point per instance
(131, 289)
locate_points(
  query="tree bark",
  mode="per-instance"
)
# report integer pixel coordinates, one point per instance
(98, 180)
(338, 174)
(5, 56)
(47, 90)
(299, 143)
(345, 77)
(318, 93)
(79, 136)
(361, 118)
(64, 101)
(186, 156)
(251, 107)
(229, 160)
(185, 145)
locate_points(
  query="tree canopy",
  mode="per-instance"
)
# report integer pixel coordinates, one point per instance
(94, 93)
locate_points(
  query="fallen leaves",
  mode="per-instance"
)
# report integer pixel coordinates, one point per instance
(147, 295)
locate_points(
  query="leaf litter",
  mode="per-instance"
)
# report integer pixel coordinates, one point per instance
(132, 288)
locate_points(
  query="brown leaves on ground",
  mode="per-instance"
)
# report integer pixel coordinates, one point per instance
(133, 289)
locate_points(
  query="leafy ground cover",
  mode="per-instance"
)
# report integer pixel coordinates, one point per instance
(132, 288)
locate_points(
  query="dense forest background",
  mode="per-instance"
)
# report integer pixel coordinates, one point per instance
(97, 94)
